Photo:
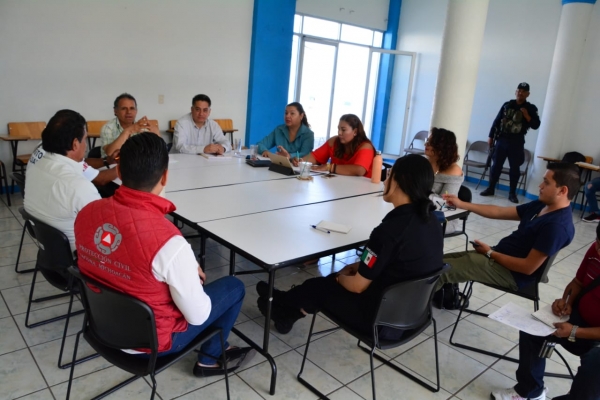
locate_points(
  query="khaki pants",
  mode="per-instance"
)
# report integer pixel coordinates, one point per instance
(472, 266)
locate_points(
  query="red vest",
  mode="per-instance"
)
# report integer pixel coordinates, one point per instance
(117, 238)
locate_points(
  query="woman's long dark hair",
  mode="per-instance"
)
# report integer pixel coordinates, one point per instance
(443, 143)
(300, 109)
(358, 140)
(414, 175)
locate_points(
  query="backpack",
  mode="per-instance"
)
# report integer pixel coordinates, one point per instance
(448, 297)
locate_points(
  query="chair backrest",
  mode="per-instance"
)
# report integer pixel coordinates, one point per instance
(589, 159)
(54, 255)
(95, 153)
(478, 146)
(527, 159)
(172, 123)
(546, 268)
(407, 305)
(225, 124)
(572, 157)
(95, 126)
(115, 319)
(32, 130)
(421, 135)
(464, 194)
(29, 227)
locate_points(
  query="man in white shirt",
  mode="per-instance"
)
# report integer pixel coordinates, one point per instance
(126, 242)
(56, 187)
(195, 133)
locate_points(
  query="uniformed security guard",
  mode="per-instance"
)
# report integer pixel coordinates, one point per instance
(508, 130)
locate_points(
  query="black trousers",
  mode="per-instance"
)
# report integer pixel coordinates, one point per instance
(356, 310)
(514, 150)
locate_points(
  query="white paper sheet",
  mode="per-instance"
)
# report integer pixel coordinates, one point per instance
(521, 319)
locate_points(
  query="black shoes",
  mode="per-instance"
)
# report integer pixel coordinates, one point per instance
(593, 217)
(284, 317)
(236, 358)
(488, 192)
(512, 197)
(262, 288)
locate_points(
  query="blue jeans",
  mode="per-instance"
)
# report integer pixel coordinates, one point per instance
(530, 374)
(590, 190)
(226, 296)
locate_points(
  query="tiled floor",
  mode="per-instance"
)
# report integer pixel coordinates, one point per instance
(28, 356)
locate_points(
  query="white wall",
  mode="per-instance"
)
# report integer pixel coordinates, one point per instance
(369, 14)
(82, 54)
(515, 49)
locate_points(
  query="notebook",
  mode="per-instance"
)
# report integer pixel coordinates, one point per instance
(546, 315)
(226, 156)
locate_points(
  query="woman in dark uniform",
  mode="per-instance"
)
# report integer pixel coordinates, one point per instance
(407, 244)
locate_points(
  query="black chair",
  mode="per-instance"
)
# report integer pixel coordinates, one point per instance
(406, 306)
(115, 321)
(95, 153)
(464, 194)
(53, 260)
(27, 228)
(483, 148)
(530, 292)
(411, 149)
(4, 182)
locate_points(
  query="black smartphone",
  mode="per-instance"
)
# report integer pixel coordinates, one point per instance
(475, 244)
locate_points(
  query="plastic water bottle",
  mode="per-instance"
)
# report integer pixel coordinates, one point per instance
(376, 169)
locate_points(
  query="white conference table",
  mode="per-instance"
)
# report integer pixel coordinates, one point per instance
(215, 203)
(181, 161)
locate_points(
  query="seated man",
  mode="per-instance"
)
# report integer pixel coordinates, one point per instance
(590, 194)
(151, 260)
(116, 131)
(580, 336)
(103, 180)
(546, 226)
(195, 133)
(56, 187)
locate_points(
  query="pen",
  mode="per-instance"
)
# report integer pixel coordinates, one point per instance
(319, 229)
(566, 302)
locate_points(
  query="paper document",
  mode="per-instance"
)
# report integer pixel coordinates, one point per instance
(546, 315)
(225, 156)
(333, 227)
(521, 319)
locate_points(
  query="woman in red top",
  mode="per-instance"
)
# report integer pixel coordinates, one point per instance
(351, 152)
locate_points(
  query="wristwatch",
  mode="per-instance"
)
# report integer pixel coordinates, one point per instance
(572, 335)
(488, 254)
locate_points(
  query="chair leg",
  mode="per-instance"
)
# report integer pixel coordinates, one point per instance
(64, 339)
(224, 361)
(153, 378)
(3, 175)
(19, 252)
(299, 377)
(372, 373)
(73, 363)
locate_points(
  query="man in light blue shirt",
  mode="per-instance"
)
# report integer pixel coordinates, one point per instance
(195, 133)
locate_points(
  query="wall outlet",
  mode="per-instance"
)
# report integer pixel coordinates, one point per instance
(161, 99)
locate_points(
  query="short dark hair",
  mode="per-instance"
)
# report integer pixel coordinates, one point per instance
(201, 97)
(566, 174)
(124, 96)
(143, 160)
(414, 176)
(64, 127)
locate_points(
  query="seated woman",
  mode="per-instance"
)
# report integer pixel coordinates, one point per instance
(407, 244)
(351, 152)
(294, 137)
(442, 152)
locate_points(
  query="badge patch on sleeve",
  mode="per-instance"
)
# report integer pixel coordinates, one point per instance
(368, 257)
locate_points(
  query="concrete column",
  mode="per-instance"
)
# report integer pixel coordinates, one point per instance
(553, 137)
(459, 64)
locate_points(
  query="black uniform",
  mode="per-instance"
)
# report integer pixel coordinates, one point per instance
(511, 127)
(402, 247)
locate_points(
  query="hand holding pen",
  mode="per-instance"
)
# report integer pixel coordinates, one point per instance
(561, 307)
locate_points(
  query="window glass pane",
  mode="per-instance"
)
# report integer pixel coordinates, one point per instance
(358, 35)
(377, 39)
(321, 28)
(297, 23)
(293, 69)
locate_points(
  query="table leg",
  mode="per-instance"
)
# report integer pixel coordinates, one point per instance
(202, 250)
(14, 145)
(232, 263)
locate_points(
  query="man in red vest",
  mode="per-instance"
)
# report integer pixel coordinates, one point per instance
(126, 242)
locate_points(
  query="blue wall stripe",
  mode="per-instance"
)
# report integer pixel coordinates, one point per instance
(270, 60)
(384, 81)
(578, 1)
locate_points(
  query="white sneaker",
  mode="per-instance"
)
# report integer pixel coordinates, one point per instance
(511, 394)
